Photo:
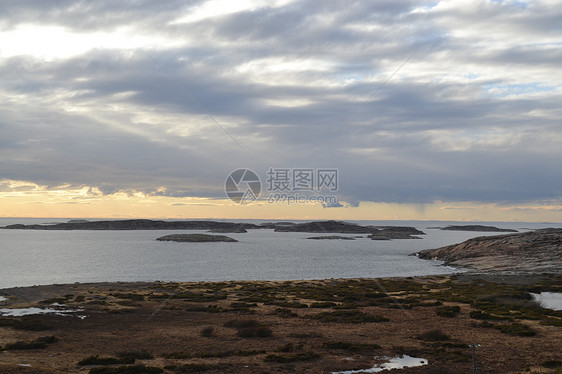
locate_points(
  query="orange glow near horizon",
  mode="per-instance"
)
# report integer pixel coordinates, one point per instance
(25, 199)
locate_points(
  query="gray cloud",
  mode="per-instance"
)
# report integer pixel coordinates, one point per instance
(473, 115)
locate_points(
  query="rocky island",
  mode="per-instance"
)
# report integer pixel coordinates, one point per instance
(140, 224)
(388, 234)
(326, 227)
(379, 232)
(331, 237)
(477, 228)
(534, 252)
(196, 238)
(340, 227)
(228, 230)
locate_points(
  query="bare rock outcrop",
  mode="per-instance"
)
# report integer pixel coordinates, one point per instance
(537, 251)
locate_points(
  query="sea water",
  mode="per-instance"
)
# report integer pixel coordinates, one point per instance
(38, 257)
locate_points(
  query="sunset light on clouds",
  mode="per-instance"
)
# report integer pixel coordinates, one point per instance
(446, 110)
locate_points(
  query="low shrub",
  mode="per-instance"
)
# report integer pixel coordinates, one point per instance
(290, 347)
(352, 347)
(97, 360)
(178, 356)
(301, 356)
(516, 329)
(128, 296)
(238, 324)
(284, 313)
(483, 324)
(348, 316)
(139, 355)
(208, 331)
(448, 311)
(26, 324)
(325, 304)
(242, 305)
(136, 369)
(39, 343)
(241, 353)
(196, 368)
(255, 332)
(287, 304)
(477, 314)
(306, 335)
(434, 336)
(552, 364)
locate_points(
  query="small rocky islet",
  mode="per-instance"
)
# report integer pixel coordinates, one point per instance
(331, 237)
(481, 228)
(196, 238)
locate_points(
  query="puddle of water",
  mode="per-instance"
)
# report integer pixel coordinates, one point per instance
(393, 363)
(31, 311)
(549, 300)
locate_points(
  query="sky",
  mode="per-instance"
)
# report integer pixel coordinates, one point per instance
(430, 110)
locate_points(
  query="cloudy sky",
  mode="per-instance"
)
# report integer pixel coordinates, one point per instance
(428, 109)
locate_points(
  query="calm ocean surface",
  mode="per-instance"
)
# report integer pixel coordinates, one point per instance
(29, 257)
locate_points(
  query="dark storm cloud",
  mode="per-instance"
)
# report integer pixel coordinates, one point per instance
(468, 116)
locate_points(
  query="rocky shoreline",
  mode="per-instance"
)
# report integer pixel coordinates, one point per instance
(533, 252)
